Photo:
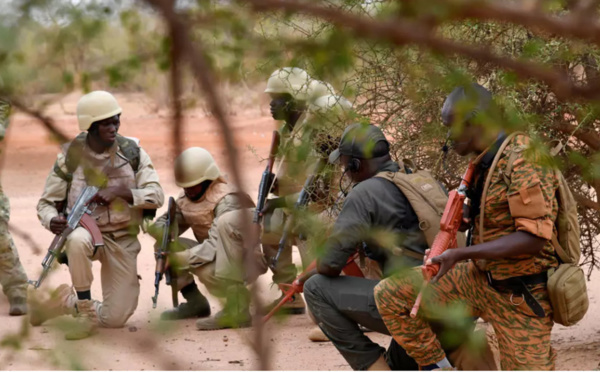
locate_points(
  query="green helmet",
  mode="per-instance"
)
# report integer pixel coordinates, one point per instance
(290, 80)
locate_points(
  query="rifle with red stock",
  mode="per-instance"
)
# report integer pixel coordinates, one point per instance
(446, 237)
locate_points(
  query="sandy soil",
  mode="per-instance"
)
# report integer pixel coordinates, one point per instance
(146, 343)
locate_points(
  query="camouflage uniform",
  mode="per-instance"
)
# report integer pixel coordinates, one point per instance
(526, 202)
(12, 274)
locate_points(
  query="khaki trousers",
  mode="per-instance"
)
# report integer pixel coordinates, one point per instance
(12, 274)
(285, 271)
(227, 268)
(120, 284)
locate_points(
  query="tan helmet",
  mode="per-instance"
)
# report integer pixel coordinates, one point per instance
(291, 80)
(330, 113)
(330, 103)
(95, 106)
(194, 166)
(318, 88)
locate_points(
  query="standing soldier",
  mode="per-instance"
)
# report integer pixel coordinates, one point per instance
(212, 209)
(291, 90)
(12, 274)
(504, 282)
(128, 185)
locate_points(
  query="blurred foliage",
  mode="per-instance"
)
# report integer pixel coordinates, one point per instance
(55, 47)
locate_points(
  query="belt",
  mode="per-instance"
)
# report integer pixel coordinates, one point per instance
(518, 285)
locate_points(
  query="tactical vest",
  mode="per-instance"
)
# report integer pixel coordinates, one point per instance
(81, 163)
(199, 215)
(118, 214)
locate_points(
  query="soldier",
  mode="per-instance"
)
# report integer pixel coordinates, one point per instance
(12, 274)
(505, 280)
(292, 90)
(375, 211)
(128, 186)
(213, 210)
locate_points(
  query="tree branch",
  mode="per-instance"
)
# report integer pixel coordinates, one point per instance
(193, 51)
(403, 32)
(48, 123)
(514, 13)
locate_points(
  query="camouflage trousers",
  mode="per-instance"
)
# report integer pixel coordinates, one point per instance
(523, 337)
(12, 274)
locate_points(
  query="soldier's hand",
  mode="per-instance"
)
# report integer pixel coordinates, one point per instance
(271, 205)
(446, 260)
(107, 195)
(466, 221)
(58, 224)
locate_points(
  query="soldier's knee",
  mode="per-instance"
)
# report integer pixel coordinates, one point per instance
(114, 316)
(114, 321)
(379, 292)
(229, 223)
(314, 286)
(78, 242)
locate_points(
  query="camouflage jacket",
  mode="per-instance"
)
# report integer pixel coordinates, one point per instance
(527, 203)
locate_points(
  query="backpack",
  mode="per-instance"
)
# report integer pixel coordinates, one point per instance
(566, 283)
(426, 197)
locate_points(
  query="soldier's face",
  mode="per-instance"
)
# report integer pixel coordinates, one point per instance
(462, 138)
(197, 192)
(281, 106)
(107, 130)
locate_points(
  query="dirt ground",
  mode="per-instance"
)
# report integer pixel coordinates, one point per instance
(145, 343)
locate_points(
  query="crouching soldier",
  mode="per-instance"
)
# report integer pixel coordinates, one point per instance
(213, 210)
(514, 208)
(128, 185)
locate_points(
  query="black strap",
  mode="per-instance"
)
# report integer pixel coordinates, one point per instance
(518, 285)
(486, 162)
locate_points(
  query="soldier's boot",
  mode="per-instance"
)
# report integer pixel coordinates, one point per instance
(317, 335)
(235, 313)
(61, 302)
(294, 307)
(197, 305)
(18, 305)
(86, 321)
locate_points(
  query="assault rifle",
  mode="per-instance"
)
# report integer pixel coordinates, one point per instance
(80, 215)
(446, 237)
(267, 180)
(162, 259)
(301, 203)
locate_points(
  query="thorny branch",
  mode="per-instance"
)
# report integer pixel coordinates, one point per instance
(48, 122)
(402, 32)
(569, 25)
(193, 51)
